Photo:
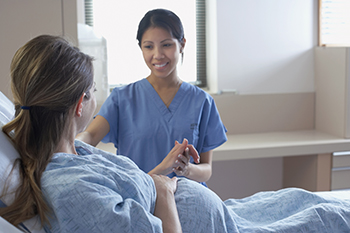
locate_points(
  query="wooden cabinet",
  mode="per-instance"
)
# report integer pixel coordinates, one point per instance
(21, 21)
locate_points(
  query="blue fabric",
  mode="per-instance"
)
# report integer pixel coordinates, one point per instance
(2, 204)
(145, 130)
(101, 192)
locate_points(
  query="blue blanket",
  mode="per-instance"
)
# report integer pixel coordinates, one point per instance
(287, 210)
(101, 192)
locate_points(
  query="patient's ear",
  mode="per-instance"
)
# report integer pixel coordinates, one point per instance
(79, 108)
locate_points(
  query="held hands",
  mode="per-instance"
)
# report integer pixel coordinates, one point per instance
(178, 160)
(182, 163)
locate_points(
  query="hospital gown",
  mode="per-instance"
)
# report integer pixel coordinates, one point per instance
(96, 191)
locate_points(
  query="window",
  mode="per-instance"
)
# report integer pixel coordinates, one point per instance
(117, 22)
(334, 23)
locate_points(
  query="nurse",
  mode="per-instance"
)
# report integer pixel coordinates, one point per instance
(146, 118)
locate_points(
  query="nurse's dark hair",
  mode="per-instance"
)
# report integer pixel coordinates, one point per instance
(161, 18)
(48, 76)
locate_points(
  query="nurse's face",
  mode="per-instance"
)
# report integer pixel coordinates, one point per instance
(161, 52)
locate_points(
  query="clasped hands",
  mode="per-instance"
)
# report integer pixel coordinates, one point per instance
(179, 157)
(178, 160)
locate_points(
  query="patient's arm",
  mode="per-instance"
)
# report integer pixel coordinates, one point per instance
(165, 207)
(95, 132)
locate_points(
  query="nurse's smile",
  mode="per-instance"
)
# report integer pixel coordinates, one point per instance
(160, 66)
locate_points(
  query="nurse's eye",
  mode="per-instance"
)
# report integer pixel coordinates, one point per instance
(167, 45)
(148, 46)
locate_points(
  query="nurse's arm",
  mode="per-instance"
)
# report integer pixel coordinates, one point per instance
(201, 172)
(95, 132)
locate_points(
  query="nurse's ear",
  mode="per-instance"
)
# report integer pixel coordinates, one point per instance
(182, 44)
(79, 107)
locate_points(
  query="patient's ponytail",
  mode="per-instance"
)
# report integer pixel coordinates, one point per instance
(48, 76)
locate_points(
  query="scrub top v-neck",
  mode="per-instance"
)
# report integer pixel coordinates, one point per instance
(167, 112)
(145, 130)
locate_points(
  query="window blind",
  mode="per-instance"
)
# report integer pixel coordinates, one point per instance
(89, 13)
(201, 44)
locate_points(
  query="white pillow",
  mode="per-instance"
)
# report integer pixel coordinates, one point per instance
(7, 109)
(8, 154)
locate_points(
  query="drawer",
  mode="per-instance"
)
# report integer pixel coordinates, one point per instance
(340, 178)
(340, 160)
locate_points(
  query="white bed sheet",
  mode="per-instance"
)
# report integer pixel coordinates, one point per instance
(342, 194)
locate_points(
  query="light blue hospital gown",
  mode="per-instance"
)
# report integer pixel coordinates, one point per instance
(98, 191)
(145, 130)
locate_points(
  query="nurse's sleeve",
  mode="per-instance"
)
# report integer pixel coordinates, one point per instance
(212, 130)
(89, 206)
(110, 111)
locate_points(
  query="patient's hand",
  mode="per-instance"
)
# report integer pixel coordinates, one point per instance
(164, 183)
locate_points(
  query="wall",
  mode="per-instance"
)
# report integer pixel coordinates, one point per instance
(262, 46)
(265, 51)
(332, 82)
(22, 20)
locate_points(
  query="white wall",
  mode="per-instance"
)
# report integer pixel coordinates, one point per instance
(265, 50)
(263, 46)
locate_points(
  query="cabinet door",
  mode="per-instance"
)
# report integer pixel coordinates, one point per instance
(20, 21)
(341, 172)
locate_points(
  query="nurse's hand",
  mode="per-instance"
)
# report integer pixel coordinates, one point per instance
(183, 162)
(190, 151)
(172, 160)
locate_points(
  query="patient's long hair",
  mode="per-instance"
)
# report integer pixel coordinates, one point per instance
(48, 75)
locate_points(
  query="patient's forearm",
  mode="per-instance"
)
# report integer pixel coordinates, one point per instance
(165, 207)
(166, 210)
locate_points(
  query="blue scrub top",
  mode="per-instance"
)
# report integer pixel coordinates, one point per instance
(145, 130)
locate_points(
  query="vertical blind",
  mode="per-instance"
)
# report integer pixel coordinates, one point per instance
(200, 40)
(201, 44)
(89, 13)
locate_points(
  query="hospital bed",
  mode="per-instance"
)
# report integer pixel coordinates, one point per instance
(8, 154)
